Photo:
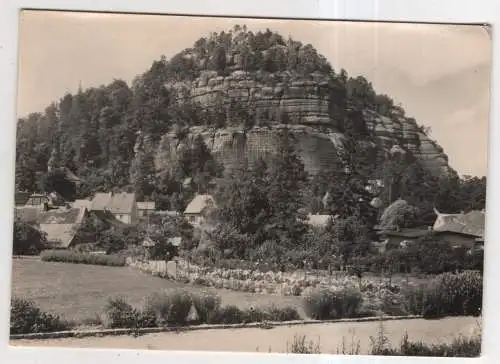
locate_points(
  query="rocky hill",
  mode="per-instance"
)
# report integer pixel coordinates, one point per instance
(281, 82)
(238, 91)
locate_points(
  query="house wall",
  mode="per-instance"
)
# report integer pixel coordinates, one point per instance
(141, 212)
(395, 241)
(456, 239)
(194, 219)
(125, 218)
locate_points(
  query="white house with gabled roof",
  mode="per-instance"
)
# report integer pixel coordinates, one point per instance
(196, 209)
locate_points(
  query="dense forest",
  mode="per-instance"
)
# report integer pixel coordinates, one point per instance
(94, 134)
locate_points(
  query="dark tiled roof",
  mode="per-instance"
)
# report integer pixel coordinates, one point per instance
(60, 216)
(116, 203)
(61, 225)
(471, 223)
(28, 214)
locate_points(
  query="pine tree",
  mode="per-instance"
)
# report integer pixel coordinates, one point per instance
(243, 203)
(286, 180)
(143, 175)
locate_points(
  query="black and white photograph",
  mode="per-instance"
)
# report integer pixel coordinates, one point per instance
(224, 184)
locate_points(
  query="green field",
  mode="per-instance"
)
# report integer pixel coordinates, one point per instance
(79, 292)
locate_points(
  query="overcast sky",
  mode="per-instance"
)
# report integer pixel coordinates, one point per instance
(440, 74)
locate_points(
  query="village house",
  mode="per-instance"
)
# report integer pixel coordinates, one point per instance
(70, 176)
(196, 209)
(458, 230)
(145, 208)
(464, 229)
(61, 226)
(400, 238)
(122, 206)
(82, 203)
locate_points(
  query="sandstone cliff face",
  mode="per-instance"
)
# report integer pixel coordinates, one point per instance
(309, 105)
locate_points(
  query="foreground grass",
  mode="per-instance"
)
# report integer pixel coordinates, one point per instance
(77, 292)
(460, 346)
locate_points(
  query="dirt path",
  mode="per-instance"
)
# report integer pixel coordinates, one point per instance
(330, 337)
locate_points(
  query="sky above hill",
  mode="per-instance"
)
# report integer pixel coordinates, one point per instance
(439, 73)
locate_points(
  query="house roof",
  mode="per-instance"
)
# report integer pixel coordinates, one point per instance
(318, 220)
(470, 223)
(61, 225)
(28, 214)
(406, 233)
(116, 203)
(82, 203)
(60, 216)
(20, 198)
(149, 205)
(199, 203)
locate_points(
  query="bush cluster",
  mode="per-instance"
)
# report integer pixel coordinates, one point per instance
(461, 347)
(447, 295)
(67, 256)
(26, 317)
(333, 303)
(120, 314)
(179, 308)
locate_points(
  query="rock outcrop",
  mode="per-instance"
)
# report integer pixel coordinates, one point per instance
(309, 104)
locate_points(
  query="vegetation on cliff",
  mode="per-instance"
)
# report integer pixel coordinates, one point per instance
(108, 135)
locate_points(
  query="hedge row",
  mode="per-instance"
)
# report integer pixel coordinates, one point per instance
(179, 308)
(67, 256)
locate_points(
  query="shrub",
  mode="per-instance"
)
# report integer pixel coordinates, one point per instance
(342, 302)
(229, 315)
(207, 305)
(169, 307)
(454, 294)
(26, 317)
(67, 256)
(27, 240)
(120, 314)
(301, 346)
(465, 347)
(282, 314)
(447, 294)
(256, 314)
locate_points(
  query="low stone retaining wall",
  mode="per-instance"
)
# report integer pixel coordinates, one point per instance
(152, 330)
